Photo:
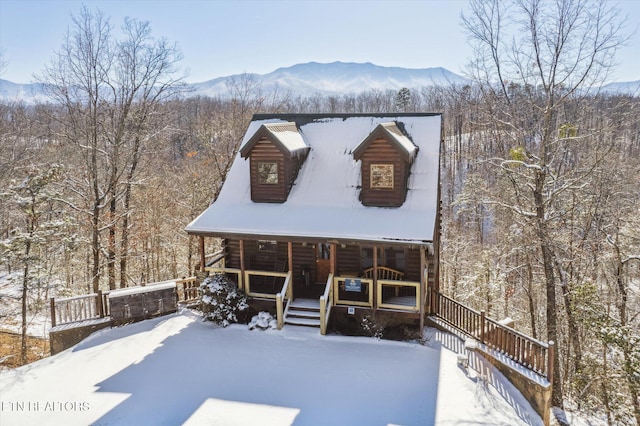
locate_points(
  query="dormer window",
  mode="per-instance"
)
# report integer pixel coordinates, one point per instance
(386, 156)
(267, 173)
(276, 152)
(381, 176)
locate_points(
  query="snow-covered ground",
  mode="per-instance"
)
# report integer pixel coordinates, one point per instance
(180, 370)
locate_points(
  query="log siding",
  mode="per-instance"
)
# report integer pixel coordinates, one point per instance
(348, 258)
(265, 151)
(382, 152)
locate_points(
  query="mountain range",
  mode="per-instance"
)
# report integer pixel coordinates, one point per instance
(337, 78)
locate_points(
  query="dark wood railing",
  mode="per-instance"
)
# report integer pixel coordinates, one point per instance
(527, 351)
(532, 353)
(188, 289)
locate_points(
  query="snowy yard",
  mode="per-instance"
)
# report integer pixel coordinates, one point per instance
(179, 370)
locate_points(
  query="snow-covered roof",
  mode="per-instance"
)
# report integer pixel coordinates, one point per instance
(285, 135)
(394, 135)
(324, 201)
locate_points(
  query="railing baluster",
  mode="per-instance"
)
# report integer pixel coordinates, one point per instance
(74, 309)
(523, 349)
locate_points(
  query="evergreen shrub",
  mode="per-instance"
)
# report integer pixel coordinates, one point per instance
(222, 302)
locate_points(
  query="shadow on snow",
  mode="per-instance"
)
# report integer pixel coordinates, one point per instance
(295, 376)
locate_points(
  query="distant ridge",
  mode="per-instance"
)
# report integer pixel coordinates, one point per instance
(337, 78)
(313, 78)
(623, 88)
(28, 93)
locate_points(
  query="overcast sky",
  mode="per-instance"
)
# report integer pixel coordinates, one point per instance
(220, 38)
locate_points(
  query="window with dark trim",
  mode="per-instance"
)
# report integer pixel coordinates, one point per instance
(391, 257)
(268, 173)
(395, 258)
(381, 176)
(366, 257)
(324, 250)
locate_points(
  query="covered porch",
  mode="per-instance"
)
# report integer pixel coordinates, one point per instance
(307, 279)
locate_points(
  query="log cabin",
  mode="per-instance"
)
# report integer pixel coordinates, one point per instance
(324, 217)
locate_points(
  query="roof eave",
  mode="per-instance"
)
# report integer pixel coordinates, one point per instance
(312, 239)
(408, 155)
(264, 131)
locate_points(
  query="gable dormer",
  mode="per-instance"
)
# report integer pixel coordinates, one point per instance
(386, 156)
(276, 151)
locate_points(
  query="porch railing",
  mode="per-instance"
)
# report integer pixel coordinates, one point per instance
(326, 302)
(522, 349)
(362, 298)
(244, 281)
(284, 293)
(399, 298)
(233, 271)
(78, 308)
(389, 294)
(267, 274)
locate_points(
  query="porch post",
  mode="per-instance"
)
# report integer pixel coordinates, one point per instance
(290, 256)
(424, 282)
(52, 302)
(435, 287)
(375, 277)
(333, 258)
(201, 248)
(242, 284)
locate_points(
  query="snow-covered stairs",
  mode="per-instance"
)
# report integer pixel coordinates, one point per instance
(303, 312)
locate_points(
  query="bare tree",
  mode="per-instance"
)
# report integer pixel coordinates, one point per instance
(110, 90)
(533, 58)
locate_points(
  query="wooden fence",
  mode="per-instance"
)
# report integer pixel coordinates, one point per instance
(78, 308)
(97, 305)
(188, 289)
(529, 352)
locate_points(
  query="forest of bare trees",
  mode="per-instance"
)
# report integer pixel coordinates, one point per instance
(540, 177)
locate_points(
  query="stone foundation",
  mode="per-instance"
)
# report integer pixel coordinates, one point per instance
(64, 336)
(140, 303)
(535, 390)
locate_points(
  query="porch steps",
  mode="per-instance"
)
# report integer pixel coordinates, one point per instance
(305, 312)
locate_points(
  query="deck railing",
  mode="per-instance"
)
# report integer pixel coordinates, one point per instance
(522, 349)
(77, 308)
(532, 353)
(188, 289)
(284, 293)
(326, 302)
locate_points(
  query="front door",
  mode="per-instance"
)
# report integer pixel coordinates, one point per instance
(323, 262)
